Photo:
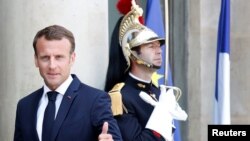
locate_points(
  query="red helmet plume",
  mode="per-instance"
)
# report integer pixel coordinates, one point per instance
(124, 6)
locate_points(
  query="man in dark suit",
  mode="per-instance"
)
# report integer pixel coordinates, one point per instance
(79, 113)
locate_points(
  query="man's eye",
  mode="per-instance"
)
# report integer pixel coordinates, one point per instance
(44, 58)
(149, 46)
(59, 57)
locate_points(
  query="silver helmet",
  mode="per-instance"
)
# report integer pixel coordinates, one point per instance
(133, 34)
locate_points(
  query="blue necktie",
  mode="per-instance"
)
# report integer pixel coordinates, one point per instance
(49, 116)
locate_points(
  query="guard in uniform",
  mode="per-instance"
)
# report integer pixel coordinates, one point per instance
(144, 112)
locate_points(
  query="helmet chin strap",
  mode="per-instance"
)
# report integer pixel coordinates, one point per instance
(141, 61)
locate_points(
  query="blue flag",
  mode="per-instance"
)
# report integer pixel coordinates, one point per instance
(155, 22)
(222, 84)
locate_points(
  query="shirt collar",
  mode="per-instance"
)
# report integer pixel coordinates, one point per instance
(62, 88)
(138, 83)
(137, 78)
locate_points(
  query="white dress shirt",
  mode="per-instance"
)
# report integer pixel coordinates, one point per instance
(44, 102)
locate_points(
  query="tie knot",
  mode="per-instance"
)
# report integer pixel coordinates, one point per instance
(52, 95)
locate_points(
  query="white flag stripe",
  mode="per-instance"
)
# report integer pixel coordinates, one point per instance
(222, 106)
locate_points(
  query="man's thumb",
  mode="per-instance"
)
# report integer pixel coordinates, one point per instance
(105, 128)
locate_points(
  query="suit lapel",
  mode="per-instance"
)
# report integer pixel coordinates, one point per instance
(67, 100)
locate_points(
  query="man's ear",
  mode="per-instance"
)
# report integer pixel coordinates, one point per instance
(73, 56)
(35, 59)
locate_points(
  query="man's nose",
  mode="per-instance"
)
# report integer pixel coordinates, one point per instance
(52, 63)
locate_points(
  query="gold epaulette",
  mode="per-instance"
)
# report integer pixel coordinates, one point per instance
(116, 99)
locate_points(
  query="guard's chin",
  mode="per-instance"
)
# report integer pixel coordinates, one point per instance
(156, 67)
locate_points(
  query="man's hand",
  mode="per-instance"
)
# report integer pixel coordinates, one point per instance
(104, 136)
(168, 98)
(166, 109)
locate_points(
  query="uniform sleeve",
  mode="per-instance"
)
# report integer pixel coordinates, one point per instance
(131, 129)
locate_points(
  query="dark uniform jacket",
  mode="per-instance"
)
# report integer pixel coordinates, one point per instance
(132, 124)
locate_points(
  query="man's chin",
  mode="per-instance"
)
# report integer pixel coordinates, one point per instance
(157, 66)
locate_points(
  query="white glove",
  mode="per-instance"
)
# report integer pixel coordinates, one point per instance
(166, 109)
(171, 103)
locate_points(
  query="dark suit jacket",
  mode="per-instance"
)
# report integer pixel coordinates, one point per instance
(80, 117)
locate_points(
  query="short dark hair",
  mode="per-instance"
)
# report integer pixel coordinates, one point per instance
(55, 32)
